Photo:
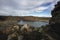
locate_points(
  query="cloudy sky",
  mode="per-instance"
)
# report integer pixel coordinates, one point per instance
(39, 8)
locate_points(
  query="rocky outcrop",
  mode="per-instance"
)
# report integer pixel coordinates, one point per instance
(55, 14)
(55, 22)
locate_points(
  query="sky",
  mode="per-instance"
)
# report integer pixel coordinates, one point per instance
(38, 8)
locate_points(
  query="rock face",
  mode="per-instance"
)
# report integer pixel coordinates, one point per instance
(55, 14)
(55, 22)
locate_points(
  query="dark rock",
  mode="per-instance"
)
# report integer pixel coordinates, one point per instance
(55, 14)
(3, 36)
(55, 22)
(2, 18)
(33, 36)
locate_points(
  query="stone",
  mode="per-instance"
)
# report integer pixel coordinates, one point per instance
(55, 14)
(55, 22)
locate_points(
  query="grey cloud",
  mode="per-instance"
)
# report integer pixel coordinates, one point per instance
(15, 8)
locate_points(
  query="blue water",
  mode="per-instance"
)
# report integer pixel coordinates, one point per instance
(34, 24)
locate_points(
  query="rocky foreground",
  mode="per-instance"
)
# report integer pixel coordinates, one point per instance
(24, 32)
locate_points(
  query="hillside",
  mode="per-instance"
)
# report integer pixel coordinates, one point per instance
(26, 18)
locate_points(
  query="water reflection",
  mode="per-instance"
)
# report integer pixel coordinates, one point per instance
(33, 23)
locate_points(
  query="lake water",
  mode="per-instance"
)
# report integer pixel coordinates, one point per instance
(33, 23)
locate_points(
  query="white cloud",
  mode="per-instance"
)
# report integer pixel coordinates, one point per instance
(23, 7)
(40, 9)
(13, 12)
(29, 4)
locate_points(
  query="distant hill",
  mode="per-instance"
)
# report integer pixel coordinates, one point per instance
(26, 18)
